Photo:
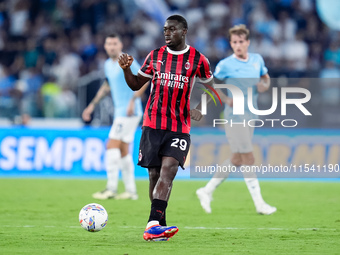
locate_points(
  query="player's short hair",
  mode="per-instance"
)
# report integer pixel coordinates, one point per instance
(180, 19)
(113, 35)
(239, 30)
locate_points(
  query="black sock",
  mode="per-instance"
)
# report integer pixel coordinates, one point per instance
(157, 209)
(162, 222)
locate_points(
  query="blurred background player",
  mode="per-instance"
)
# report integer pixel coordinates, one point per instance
(165, 139)
(127, 115)
(244, 70)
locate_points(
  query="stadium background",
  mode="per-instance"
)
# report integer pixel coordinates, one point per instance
(51, 60)
(51, 163)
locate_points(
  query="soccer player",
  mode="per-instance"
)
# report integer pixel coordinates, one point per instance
(165, 137)
(244, 70)
(127, 115)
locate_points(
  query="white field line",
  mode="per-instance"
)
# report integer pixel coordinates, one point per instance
(192, 228)
(235, 228)
(278, 229)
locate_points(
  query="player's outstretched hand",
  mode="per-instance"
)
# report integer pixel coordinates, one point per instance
(87, 112)
(261, 87)
(196, 114)
(125, 60)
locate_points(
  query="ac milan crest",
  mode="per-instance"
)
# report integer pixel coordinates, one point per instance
(140, 155)
(187, 65)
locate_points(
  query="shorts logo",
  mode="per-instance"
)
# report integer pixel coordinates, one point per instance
(187, 65)
(140, 156)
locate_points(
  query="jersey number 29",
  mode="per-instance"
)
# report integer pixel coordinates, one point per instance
(182, 143)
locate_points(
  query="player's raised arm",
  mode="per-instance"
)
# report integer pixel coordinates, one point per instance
(135, 82)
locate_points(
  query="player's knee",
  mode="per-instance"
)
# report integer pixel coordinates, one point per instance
(250, 160)
(236, 160)
(124, 149)
(113, 144)
(169, 171)
(153, 174)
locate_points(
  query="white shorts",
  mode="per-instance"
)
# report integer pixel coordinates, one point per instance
(124, 128)
(240, 138)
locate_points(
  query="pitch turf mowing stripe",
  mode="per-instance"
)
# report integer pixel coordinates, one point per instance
(51, 209)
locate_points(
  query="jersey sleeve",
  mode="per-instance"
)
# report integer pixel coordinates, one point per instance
(147, 68)
(263, 68)
(221, 71)
(204, 73)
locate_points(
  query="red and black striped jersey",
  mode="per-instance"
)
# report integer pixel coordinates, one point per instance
(173, 75)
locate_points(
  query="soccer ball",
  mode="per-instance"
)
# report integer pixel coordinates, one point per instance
(93, 217)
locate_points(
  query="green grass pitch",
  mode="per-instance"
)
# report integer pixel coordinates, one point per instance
(41, 216)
